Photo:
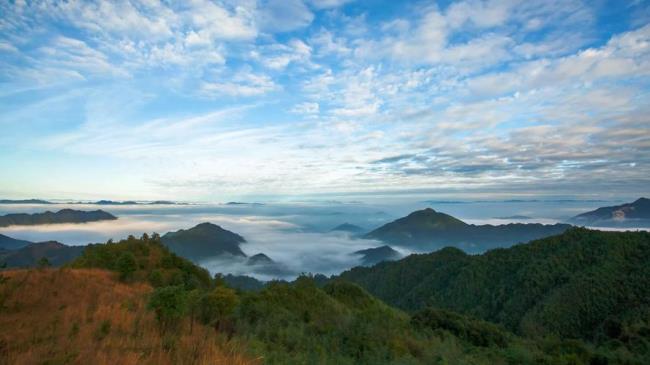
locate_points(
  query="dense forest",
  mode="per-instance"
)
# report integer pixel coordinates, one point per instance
(584, 284)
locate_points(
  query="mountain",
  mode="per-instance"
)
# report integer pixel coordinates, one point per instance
(580, 284)
(134, 301)
(635, 214)
(259, 259)
(57, 254)
(112, 202)
(372, 256)
(428, 230)
(516, 217)
(347, 227)
(9, 243)
(62, 216)
(203, 241)
(24, 201)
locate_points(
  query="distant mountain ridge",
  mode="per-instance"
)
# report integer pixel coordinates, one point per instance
(428, 230)
(203, 241)
(347, 227)
(9, 243)
(62, 216)
(632, 214)
(375, 255)
(56, 253)
(24, 201)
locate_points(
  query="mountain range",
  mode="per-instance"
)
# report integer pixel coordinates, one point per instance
(428, 230)
(62, 216)
(635, 214)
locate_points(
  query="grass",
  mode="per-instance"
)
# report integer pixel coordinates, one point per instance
(86, 316)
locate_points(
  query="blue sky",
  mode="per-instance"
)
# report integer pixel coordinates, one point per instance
(205, 101)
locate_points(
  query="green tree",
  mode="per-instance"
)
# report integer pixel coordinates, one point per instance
(170, 304)
(217, 305)
(44, 262)
(126, 265)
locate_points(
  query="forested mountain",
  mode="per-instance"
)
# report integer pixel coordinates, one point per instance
(635, 214)
(580, 284)
(62, 216)
(375, 255)
(88, 315)
(9, 243)
(428, 230)
(50, 253)
(203, 241)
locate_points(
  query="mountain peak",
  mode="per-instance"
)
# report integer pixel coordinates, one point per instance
(347, 227)
(431, 218)
(203, 241)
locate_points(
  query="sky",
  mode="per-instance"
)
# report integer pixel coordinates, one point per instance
(204, 100)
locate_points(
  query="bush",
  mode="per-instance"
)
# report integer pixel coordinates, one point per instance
(126, 266)
(169, 303)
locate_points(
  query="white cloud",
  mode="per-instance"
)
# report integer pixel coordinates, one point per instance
(328, 4)
(306, 108)
(244, 83)
(283, 15)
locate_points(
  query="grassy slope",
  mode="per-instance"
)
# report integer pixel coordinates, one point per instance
(85, 316)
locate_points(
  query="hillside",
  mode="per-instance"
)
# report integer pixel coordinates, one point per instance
(574, 285)
(203, 241)
(428, 230)
(62, 216)
(87, 317)
(57, 254)
(635, 214)
(83, 315)
(9, 243)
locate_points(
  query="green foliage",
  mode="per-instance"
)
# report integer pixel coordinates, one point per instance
(170, 305)
(144, 259)
(479, 333)
(582, 284)
(217, 304)
(43, 262)
(126, 265)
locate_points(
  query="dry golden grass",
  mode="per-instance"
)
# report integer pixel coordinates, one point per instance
(76, 316)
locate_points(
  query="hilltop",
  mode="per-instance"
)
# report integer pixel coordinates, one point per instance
(86, 316)
(204, 241)
(428, 230)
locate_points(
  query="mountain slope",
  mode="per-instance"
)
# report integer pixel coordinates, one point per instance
(62, 216)
(203, 241)
(9, 243)
(635, 214)
(57, 254)
(569, 285)
(428, 230)
(85, 316)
